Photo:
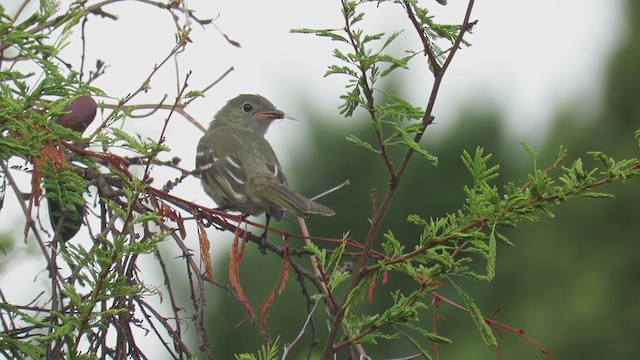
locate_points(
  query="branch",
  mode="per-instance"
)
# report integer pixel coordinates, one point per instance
(379, 216)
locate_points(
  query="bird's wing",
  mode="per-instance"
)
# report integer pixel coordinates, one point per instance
(262, 162)
(220, 165)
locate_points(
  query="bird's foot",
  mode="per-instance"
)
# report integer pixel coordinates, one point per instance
(261, 243)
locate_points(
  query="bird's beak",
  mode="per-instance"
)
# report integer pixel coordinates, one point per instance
(291, 117)
(270, 115)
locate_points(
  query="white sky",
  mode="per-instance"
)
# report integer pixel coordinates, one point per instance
(528, 58)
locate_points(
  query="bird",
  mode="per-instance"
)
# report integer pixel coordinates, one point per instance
(240, 170)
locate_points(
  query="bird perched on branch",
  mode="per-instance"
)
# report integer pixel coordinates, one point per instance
(240, 170)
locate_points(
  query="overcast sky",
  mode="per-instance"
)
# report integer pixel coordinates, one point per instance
(527, 58)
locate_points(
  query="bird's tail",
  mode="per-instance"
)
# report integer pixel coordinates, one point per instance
(290, 200)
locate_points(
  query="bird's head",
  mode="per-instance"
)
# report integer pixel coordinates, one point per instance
(253, 112)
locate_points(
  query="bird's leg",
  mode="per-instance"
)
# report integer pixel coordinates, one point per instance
(207, 220)
(263, 237)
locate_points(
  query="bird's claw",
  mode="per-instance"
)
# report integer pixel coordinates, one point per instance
(261, 243)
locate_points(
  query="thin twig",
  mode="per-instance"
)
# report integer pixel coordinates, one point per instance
(333, 189)
(214, 83)
(287, 347)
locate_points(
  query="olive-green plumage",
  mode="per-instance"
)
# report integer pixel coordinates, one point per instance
(239, 169)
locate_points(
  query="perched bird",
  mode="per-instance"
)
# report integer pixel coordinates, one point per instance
(240, 170)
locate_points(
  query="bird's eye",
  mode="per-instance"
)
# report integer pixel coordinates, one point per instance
(247, 107)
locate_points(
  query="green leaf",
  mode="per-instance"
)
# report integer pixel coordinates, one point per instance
(354, 139)
(345, 70)
(533, 154)
(373, 37)
(476, 315)
(339, 55)
(26, 347)
(596, 195)
(503, 239)
(400, 109)
(321, 32)
(320, 254)
(266, 352)
(429, 335)
(491, 256)
(356, 18)
(390, 39)
(425, 354)
(417, 220)
(392, 246)
(64, 189)
(397, 63)
(409, 142)
(338, 277)
(194, 94)
(336, 256)
(478, 168)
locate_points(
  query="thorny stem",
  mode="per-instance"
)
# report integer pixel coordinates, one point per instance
(358, 274)
(368, 93)
(426, 44)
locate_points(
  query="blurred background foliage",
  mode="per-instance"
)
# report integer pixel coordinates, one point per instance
(570, 282)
